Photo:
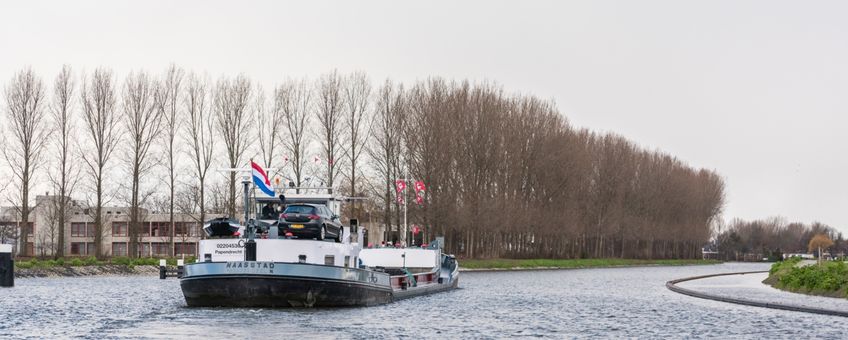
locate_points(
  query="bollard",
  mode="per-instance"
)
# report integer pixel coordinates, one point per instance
(250, 250)
(7, 266)
(180, 268)
(163, 270)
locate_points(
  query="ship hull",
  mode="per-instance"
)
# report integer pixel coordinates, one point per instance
(274, 284)
(278, 291)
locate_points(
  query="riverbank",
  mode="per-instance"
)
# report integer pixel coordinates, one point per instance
(149, 266)
(99, 270)
(70, 267)
(829, 279)
(541, 264)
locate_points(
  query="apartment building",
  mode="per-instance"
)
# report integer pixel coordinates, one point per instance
(156, 237)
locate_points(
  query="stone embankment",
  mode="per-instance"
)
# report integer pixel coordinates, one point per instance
(742, 300)
(69, 271)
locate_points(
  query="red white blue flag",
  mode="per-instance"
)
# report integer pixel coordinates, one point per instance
(260, 179)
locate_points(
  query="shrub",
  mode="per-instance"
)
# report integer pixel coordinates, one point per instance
(76, 262)
(122, 260)
(830, 276)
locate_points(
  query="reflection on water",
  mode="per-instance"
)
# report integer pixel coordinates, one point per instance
(621, 302)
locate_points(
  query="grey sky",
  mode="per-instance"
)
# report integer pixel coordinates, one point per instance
(753, 89)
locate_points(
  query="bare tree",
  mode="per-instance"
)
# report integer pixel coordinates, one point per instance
(292, 100)
(28, 130)
(385, 146)
(167, 100)
(329, 109)
(101, 126)
(358, 125)
(51, 210)
(142, 123)
(66, 174)
(268, 124)
(199, 135)
(230, 105)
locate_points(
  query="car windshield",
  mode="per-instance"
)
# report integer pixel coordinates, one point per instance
(300, 209)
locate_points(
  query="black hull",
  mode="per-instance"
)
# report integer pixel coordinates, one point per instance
(276, 291)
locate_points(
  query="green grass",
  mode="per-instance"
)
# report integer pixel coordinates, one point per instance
(92, 261)
(829, 279)
(571, 263)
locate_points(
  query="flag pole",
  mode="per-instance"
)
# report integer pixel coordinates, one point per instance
(405, 204)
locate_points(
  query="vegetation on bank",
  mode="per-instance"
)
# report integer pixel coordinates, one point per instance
(93, 261)
(828, 279)
(572, 263)
(744, 240)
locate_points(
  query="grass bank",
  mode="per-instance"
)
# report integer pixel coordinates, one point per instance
(828, 279)
(92, 261)
(514, 264)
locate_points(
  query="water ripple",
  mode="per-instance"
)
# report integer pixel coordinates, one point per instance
(591, 303)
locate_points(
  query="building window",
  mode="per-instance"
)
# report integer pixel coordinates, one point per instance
(144, 249)
(77, 248)
(180, 229)
(184, 248)
(91, 250)
(31, 229)
(145, 228)
(78, 229)
(119, 229)
(30, 249)
(119, 249)
(160, 248)
(89, 230)
(160, 228)
(185, 229)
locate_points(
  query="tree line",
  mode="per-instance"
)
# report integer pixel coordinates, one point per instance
(771, 238)
(506, 174)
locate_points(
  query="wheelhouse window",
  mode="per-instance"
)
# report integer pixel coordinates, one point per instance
(329, 260)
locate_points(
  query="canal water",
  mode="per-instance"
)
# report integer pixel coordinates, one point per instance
(603, 303)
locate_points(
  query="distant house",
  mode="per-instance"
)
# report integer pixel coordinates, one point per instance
(801, 255)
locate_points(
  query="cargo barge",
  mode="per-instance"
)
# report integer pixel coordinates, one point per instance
(259, 265)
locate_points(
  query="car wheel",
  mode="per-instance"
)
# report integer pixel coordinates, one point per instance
(322, 233)
(339, 235)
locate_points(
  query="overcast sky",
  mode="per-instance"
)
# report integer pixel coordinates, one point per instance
(756, 90)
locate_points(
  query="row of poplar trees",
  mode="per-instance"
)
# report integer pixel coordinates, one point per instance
(509, 177)
(506, 175)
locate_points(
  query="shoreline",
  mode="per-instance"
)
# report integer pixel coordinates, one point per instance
(672, 285)
(477, 266)
(549, 264)
(86, 271)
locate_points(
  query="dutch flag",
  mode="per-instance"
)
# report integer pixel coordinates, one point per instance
(260, 179)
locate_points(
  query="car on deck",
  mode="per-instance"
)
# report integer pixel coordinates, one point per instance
(302, 220)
